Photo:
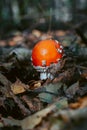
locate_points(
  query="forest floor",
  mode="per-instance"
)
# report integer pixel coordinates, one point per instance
(26, 102)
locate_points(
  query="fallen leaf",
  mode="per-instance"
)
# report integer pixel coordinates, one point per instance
(71, 91)
(46, 97)
(36, 33)
(52, 90)
(35, 119)
(56, 124)
(81, 103)
(35, 84)
(18, 87)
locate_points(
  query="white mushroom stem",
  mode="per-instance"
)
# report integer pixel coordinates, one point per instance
(45, 75)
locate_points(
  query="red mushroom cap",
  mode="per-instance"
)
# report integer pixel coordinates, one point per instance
(46, 52)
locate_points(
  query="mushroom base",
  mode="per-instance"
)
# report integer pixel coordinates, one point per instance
(45, 75)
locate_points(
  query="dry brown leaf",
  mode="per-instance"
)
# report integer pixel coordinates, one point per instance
(82, 102)
(36, 33)
(32, 121)
(60, 33)
(35, 84)
(18, 87)
(74, 105)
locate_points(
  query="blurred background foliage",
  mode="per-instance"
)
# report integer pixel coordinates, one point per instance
(23, 14)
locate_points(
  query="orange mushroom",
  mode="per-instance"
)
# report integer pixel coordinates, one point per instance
(45, 53)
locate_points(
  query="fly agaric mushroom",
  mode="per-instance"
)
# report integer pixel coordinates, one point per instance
(45, 53)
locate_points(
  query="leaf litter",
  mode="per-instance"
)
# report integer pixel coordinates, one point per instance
(26, 102)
